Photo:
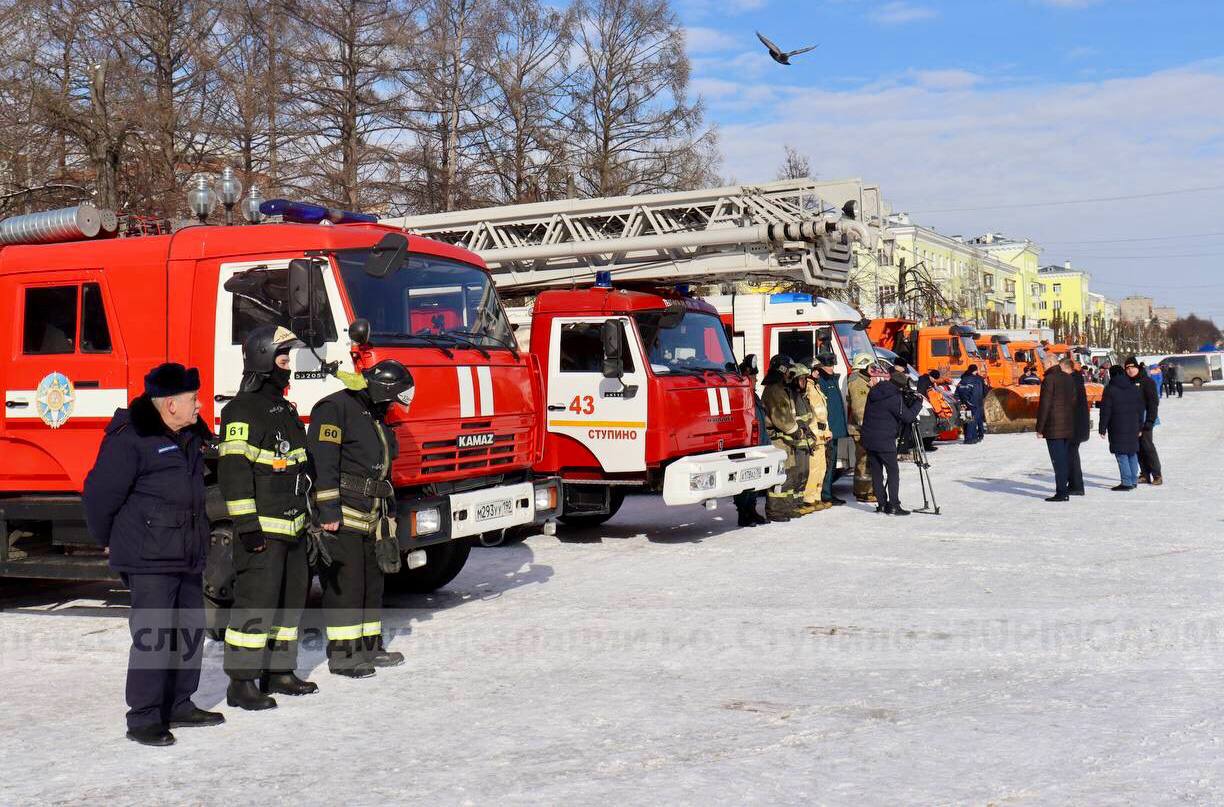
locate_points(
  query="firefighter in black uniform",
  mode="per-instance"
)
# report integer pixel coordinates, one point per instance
(351, 450)
(262, 475)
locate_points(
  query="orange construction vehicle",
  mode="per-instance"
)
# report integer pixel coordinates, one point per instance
(1059, 350)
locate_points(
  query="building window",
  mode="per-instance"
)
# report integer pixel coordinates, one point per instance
(1057, 305)
(1043, 305)
(888, 295)
(1035, 290)
(988, 281)
(1058, 288)
(1009, 286)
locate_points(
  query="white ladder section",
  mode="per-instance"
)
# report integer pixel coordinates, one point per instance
(790, 228)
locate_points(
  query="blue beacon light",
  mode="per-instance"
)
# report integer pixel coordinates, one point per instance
(307, 213)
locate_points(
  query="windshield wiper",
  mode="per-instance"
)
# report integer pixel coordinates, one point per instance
(457, 338)
(427, 338)
(511, 346)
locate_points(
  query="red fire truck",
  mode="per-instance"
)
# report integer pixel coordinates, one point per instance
(88, 318)
(643, 392)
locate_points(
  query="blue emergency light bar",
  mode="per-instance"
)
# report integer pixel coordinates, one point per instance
(790, 297)
(603, 279)
(307, 213)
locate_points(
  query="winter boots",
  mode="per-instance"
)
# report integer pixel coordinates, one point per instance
(244, 693)
(286, 683)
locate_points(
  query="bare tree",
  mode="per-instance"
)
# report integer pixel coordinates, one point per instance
(522, 123)
(348, 99)
(795, 166)
(636, 130)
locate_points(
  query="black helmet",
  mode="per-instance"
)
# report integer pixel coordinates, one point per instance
(780, 362)
(264, 344)
(389, 381)
(749, 365)
(259, 352)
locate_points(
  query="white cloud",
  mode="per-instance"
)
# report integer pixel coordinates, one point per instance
(946, 79)
(900, 12)
(709, 40)
(930, 149)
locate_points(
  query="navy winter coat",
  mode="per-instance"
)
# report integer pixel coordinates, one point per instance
(1122, 415)
(971, 391)
(144, 497)
(886, 414)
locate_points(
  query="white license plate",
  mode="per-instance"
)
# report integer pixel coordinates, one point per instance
(750, 474)
(490, 510)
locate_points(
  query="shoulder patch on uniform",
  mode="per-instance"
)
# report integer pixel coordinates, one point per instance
(237, 431)
(330, 434)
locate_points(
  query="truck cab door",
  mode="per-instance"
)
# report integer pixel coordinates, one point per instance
(606, 415)
(264, 301)
(65, 375)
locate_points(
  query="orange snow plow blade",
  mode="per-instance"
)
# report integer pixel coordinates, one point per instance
(1012, 408)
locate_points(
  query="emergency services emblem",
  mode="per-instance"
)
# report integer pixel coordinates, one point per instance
(54, 400)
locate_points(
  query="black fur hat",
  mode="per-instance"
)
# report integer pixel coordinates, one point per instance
(169, 379)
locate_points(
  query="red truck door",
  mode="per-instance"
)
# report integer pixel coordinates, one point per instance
(606, 415)
(65, 374)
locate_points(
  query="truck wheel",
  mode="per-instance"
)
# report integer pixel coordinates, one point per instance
(442, 563)
(615, 499)
(218, 581)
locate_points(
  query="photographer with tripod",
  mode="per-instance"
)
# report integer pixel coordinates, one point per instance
(889, 413)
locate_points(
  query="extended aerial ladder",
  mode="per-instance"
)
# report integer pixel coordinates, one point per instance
(800, 230)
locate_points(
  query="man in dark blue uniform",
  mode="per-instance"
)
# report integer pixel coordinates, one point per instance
(144, 502)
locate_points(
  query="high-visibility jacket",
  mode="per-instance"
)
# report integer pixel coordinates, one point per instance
(351, 454)
(263, 464)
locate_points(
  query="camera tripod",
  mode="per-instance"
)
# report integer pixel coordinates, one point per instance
(929, 505)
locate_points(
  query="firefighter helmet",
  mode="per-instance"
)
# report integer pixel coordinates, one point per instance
(264, 344)
(389, 381)
(780, 362)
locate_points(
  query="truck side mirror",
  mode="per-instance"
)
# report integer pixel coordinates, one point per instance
(305, 286)
(359, 331)
(389, 254)
(613, 349)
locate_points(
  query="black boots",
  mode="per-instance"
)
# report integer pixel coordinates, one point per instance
(245, 694)
(195, 716)
(286, 683)
(354, 671)
(897, 510)
(156, 734)
(385, 658)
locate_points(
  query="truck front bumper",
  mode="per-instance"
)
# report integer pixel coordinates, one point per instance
(424, 522)
(697, 479)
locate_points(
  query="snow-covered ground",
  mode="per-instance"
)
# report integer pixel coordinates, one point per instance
(1008, 651)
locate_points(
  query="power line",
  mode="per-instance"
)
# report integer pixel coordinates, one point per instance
(1073, 201)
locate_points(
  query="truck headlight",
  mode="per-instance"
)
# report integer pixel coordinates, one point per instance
(546, 498)
(703, 481)
(426, 521)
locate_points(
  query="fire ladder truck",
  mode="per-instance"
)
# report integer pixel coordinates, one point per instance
(641, 383)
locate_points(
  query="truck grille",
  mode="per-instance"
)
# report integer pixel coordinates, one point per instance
(439, 459)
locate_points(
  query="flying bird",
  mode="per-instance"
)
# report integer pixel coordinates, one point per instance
(777, 54)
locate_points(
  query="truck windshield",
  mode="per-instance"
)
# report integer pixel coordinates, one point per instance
(854, 343)
(969, 347)
(1004, 351)
(697, 343)
(429, 298)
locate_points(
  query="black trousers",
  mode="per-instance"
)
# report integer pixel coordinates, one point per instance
(352, 600)
(1075, 471)
(270, 590)
(1060, 459)
(167, 626)
(1149, 460)
(883, 463)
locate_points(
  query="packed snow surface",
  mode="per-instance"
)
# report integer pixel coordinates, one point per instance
(1009, 651)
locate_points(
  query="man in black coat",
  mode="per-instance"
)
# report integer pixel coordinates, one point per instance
(971, 392)
(886, 414)
(144, 502)
(1063, 422)
(1149, 460)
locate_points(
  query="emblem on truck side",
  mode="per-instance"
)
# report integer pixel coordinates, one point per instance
(475, 440)
(54, 399)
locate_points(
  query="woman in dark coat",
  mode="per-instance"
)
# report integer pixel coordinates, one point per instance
(887, 413)
(1122, 409)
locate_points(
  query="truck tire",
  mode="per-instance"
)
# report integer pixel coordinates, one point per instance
(443, 562)
(218, 581)
(616, 498)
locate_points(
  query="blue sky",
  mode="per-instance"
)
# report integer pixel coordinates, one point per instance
(958, 108)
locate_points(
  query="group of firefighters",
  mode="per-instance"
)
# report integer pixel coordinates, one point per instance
(144, 503)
